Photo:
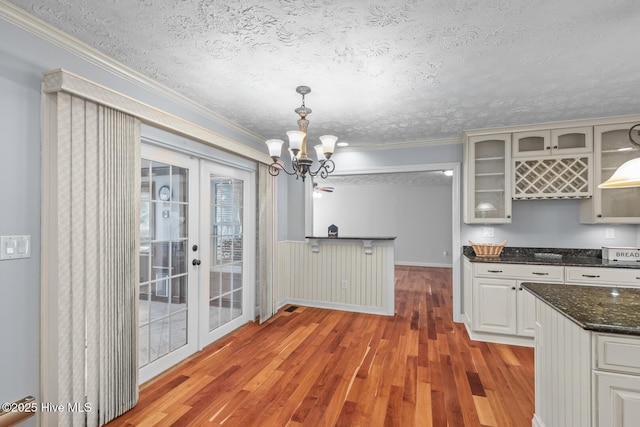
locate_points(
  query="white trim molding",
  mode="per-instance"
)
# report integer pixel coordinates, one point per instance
(65, 81)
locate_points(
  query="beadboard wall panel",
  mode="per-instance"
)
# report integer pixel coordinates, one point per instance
(563, 371)
(316, 278)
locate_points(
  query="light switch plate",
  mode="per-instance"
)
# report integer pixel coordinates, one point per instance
(15, 247)
(488, 232)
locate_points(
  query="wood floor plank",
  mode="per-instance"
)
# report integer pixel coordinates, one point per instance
(315, 367)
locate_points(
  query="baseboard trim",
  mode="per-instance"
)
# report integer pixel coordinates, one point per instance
(422, 264)
(499, 339)
(335, 306)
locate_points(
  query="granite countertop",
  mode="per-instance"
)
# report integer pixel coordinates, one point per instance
(594, 308)
(569, 257)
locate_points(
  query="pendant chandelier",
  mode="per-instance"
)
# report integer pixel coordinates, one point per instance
(628, 174)
(300, 160)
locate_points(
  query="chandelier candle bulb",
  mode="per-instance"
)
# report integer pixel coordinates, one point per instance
(275, 148)
(320, 152)
(328, 144)
(295, 140)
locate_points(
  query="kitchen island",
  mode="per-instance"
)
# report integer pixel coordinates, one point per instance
(587, 355)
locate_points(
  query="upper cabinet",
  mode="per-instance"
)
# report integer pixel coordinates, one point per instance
(555, 142)
(612, 206)
(487, 166)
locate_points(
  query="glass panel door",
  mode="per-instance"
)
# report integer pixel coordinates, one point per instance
(167, 328)
(225, 241)
(230, 236)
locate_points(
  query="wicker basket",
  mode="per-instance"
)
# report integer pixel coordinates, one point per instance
(488, 249)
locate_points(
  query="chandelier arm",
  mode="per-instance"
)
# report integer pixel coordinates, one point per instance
(275, 168)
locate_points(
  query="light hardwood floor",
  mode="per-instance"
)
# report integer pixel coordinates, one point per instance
(317, 367)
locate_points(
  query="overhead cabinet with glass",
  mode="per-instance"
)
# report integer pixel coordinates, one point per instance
(488, 192)
(553, 142)
(612, 148)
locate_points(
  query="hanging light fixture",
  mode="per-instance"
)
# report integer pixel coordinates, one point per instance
(628, 174)
(301, 162)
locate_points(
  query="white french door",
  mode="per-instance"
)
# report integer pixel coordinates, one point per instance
(227, 229)
(197, 252)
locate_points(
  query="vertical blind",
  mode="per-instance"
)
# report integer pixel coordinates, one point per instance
(90, 239)
(266, 241)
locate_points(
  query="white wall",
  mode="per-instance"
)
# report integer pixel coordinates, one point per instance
(418, 215)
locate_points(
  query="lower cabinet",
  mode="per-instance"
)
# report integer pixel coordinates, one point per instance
(618, 399)
(496, 308)
(495, 305)
(584, 378)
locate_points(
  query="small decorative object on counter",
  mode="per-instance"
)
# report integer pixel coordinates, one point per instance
(490, 250)
(333, 231)
(617, 253)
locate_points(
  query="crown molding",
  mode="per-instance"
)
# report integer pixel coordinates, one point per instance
(402, 145)
(34, 25)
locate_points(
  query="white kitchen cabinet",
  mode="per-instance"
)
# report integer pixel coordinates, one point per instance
(617, 400)
(617, 205)
(500, 310)
(616, 380)
(494, 305)
(602, 276)
(467, 289)
(487, 195)
(554, 142)
(526, 313)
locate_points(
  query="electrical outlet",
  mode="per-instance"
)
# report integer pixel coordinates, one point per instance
(488, 232)
(345, 284)
(610, 233)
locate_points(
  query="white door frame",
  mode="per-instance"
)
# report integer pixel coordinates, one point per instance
(207, 168)
(455, 216)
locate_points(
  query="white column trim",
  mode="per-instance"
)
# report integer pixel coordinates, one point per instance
(65, 81)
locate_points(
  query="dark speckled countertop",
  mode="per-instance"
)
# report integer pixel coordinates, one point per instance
(594, 308)
(568, 257)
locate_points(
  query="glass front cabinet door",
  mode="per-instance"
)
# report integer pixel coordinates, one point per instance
(488, 192)
(555, 142)
(612, 148)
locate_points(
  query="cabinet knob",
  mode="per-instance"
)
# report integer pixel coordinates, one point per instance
(513, 288)
(599, 215)
(195, 262)
(555, 147)
(508, 216)
(519, 289)
(547, 148)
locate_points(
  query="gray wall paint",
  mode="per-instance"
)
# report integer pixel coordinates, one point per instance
(24, 57)
(418, 215)
(551, 223)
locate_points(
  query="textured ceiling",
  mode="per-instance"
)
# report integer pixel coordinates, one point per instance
(385, 71)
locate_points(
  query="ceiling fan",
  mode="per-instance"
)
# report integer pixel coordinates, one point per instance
(319, 189)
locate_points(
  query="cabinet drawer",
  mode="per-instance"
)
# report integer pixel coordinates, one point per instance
(539, 273)
(603, 276)
(618, 353)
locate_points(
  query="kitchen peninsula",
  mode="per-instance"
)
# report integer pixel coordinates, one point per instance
(587, 355)
(344, 273)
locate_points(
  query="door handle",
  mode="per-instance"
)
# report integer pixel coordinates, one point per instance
(593, 276)
(196, 262)
(494, 271)
(539, 274)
